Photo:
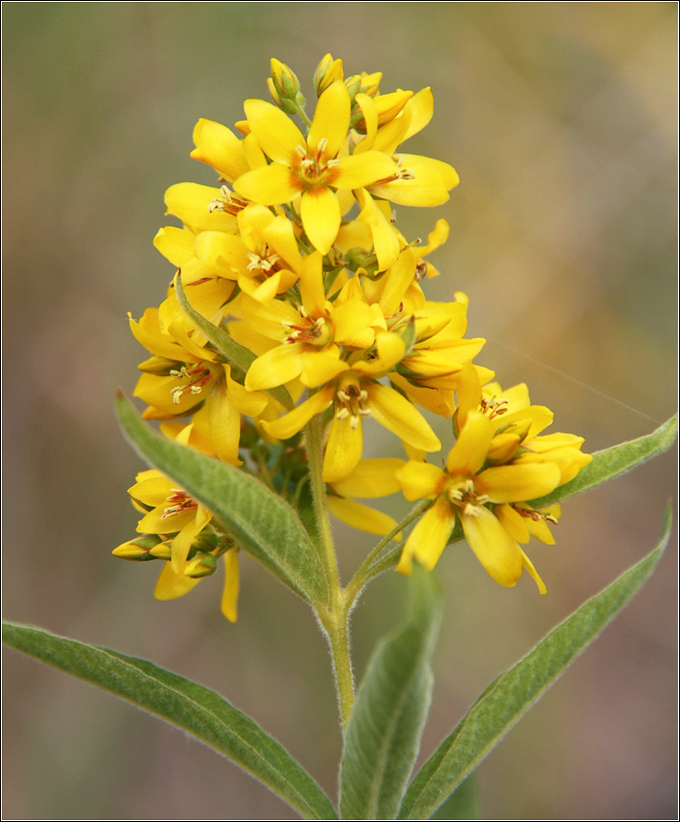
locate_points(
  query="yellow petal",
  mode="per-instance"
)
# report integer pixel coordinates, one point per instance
(371, 478)
(225, 424)
(175, 244)
(513, 522)
(231, 585)
(171, 585)
(429, 538)
(517, 483)
(190, 201)
(500, 555)
(400, 417)
(422, 109)
(276, 133)
(385, 240)
(369, 111)
(397, 280)
(533, 573)
(319, 367)
(321, 217)
(181, 544)
(311, 285)
(343, 449)
(331, 121)
(362, 170)
(220, 148)
(279, 234)
(420, 480)
(276, 367)
(469, 453)
(361, 516)
(270, 185)
(289, 425)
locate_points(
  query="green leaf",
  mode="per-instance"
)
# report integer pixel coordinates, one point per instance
(186, 704)
(613, 461)
(263, 524)
(232, 351)
(511, 695)
(384, 729)
(463, 802)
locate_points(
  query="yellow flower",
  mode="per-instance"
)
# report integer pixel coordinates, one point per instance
(173, 528)
(309, 168)
(463, 492)
(169, 510)
(182, 375)
(371, 478)
(354, 395)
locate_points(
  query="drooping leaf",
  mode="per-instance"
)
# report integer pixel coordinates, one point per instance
(263, 523)
(613, 461)
(383, 733)
(186, 704)
(232, 351)
(509, 696)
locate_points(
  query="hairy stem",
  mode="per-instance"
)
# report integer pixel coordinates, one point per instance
(334, 617)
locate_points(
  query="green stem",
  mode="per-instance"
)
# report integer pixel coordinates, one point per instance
(334, 617)
(364, 574)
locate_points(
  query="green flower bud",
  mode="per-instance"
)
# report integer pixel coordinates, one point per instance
(327, 72)
(139, 549)
(202, 565)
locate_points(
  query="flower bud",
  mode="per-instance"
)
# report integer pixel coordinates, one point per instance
(284, 88)
(202, 565)
(286, 83)
(327, 72)
(138, 549)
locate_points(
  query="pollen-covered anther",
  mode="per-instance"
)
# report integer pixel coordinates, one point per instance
(421, 270)
(350, 401)
(493, 407)
(536, 516)
(228, 201)
(179, 501)
(463, 495)
(198, 378)
(263, 263)
(406, 174)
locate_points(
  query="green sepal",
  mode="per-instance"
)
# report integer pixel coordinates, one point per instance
(235, 353)
(383, 733)
(511, 695)
(614, 461)
(181, 702)
(263, 524)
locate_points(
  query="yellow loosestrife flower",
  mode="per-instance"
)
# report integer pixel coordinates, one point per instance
(463, 493)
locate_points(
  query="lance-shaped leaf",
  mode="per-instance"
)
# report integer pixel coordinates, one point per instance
(613, 461)
(186, 704)
(383, 733)
(263, 524)
(511, 695)
(232, 351)
(463, 802)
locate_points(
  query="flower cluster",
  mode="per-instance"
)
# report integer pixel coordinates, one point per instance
(295, 255)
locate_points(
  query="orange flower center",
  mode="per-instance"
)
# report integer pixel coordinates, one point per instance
(312, 170)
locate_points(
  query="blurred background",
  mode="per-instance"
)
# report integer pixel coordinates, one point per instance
(560, 119)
